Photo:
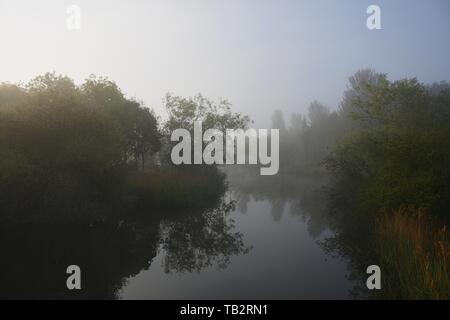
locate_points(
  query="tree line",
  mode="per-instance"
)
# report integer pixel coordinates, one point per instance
(72, 151)
(387, 150)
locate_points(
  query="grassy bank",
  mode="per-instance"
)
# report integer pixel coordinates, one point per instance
(176, 188)
(414, 255)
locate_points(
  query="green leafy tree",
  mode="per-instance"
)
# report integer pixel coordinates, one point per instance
(139, 124)
(183, 112)
(399, 156)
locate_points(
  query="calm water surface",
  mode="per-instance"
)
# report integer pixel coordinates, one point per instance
(262, 241)
(284, 261)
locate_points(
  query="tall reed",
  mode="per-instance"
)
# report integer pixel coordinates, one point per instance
(414, 256)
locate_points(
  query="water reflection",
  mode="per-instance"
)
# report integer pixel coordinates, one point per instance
(311, 198)
(197, 241)
(35, 257)
(259, 242)
(302, 196)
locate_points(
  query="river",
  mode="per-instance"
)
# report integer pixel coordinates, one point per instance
(284, 260)
(262, 241)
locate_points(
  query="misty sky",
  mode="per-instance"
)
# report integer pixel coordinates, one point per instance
(260, 55)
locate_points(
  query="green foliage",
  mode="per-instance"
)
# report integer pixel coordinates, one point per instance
(183, 112)
(64, 147)
(399, 154)
(392, 152)
(71, 152)
(139, 125)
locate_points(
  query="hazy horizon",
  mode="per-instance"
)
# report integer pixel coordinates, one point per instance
(259, 55)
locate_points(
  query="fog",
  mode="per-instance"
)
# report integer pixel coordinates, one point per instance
(260, 55)
(135, 146)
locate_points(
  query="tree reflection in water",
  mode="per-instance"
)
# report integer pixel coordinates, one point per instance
(302, 196)
(313, 198)
(35, 257)
(197, 241)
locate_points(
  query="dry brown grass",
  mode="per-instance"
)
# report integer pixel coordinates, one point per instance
(414, 256)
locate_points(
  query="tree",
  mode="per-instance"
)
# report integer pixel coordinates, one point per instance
(65, 146)
(147, 138)
(138, 123)
(317, 113)
(278, 121)
(398, 154)
(183, 112)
